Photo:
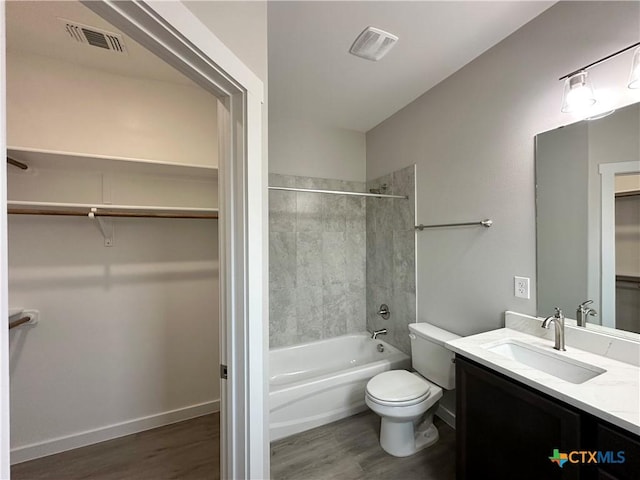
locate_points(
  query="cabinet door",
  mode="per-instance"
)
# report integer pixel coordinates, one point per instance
(505, 430)
(612, 439)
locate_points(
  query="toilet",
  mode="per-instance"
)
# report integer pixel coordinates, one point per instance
(406, 400)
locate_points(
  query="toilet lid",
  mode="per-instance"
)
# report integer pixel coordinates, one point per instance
(397, 386)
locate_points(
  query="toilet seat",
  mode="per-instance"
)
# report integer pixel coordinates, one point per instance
(398, 388)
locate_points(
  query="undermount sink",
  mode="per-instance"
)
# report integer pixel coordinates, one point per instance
(565, 368)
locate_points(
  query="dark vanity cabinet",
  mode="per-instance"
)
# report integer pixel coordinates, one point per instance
(506, 430)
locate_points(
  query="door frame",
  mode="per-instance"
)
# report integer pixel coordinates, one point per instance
(172, 32)
(608, 172)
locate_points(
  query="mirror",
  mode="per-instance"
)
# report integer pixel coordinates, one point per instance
(588, 219)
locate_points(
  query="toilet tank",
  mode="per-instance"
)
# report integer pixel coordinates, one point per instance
(430, 357)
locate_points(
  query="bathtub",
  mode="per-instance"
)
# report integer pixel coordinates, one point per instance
(315, 383)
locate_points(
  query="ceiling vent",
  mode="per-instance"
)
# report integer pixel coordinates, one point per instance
(94, 37)
(373, 44)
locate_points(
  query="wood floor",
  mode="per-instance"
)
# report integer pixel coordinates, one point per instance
(188, 450)
(350, 450)
(344, 450)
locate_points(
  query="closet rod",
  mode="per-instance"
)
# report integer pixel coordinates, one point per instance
(485, 223)
(20, 321)
(339, 192)
(110, 213)
(16, 163)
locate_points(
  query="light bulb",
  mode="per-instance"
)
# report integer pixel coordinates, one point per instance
(578, 93)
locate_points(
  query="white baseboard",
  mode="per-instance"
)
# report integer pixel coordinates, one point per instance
(109, 432)
(447, 416)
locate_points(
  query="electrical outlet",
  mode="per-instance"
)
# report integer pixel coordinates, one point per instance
(521, 287)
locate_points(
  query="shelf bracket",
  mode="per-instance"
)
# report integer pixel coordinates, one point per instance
(105, 226)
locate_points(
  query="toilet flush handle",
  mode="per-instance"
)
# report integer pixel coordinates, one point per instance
(412, 336)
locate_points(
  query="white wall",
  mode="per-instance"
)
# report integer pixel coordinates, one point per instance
(125, 332)
(298, 147)
(54, 105)
(128, 335)
(472, 140)
(241, 26)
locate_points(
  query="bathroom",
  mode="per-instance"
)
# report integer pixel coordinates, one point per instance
(470, 143)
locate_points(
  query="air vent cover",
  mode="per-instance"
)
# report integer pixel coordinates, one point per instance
(94, 36)
(373, 44)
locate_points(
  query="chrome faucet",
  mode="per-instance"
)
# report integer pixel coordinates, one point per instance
(558, 321)
(583, 312)
(375, 333)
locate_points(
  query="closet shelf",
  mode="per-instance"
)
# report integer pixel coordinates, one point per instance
(104, 210)
(78, 162)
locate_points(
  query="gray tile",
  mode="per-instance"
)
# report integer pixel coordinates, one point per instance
(309, 259)
(278, 180)
(312, 182)
(356, 257)
(356, 307)
(371, 212)
(282, 211)
(334, 258)
(335, 311)
(282, 260)
(355, 215)
(334, 213)
(309, 212)
(404, 261)
(383, 256)
(309, 313)
(282, 318)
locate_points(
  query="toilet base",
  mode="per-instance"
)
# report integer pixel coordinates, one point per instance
(402, 439)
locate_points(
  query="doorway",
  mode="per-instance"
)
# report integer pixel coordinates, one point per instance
(168, 30)
(123, 335)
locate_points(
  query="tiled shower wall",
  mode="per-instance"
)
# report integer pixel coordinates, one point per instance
(317, 258)
(391, 258)
(333, 259)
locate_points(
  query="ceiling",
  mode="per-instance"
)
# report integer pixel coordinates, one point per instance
(313, 77)
(34, 27)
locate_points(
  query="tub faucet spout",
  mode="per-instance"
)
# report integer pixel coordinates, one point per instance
(375, 333)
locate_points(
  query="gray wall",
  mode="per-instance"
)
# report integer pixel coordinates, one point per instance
(317, 261)
(391, 271)
(471, 137)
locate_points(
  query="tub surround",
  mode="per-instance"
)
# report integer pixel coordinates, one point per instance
(613, 396)
(391, 272)
(334, 259)
(317, 260)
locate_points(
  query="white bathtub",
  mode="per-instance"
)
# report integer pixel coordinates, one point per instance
(319, 382)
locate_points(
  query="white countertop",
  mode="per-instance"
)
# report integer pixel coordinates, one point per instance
(613, 396)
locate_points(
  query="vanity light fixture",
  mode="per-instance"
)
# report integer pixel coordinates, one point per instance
(578, 92)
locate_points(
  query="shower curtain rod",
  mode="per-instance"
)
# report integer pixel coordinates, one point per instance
(339, 192)
(485, 223)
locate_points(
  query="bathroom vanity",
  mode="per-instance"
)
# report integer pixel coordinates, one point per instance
(519, 400)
